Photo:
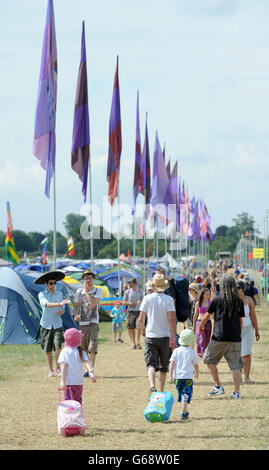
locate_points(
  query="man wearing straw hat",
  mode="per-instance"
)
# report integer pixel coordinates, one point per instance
(51, 324)
(159, 310)
(87, 299)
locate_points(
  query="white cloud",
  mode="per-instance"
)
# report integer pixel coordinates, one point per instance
(14, 175)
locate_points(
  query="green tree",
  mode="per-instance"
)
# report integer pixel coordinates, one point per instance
(244, 223)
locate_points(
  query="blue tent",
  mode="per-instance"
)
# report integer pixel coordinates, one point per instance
(19, 316)
(20, 311)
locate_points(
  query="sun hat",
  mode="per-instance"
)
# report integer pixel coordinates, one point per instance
(160, 283)
(149, 285)
(72, 338)
(88, 273)
(57, 275)
(195, 287)
(187, 338)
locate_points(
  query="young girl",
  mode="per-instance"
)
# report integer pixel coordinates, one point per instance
(71, 359)
(117, 317)
(182, 363)
(201, 308)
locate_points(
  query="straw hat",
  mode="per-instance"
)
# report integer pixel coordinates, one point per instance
(187, 337)
(195, 287)
(50, 275)
(88, 273)
(73, 338)
(160, 283)
(149, 285)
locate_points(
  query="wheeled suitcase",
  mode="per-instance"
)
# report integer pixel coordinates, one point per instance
(70, 417)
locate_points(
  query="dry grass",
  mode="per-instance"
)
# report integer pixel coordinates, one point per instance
(114, 405)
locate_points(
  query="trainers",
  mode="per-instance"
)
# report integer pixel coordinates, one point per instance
(58, 372)
(51, 373)
(235, 395)
(86, 374)
(216, 391)
(184, 415)
(151, 390)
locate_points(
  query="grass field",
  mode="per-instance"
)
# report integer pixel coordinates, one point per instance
(114, 405)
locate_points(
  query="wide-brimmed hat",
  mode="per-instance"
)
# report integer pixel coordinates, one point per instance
(187, 337)
(160, 283)
(88, 273)
(195, 287)
(73, 338)
(149, 285)
(50, 275)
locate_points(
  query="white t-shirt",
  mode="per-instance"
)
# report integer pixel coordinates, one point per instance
(185, 358)
(74, 373)
(156, 307)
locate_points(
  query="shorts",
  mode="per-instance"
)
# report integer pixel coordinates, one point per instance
(247, 339)
(90, 337)
(157, 353)
(116, 327)
(50, 340)
(185, 389)
(231, 351)
(132, 320)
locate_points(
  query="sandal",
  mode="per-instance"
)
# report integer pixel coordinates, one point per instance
(139, 347)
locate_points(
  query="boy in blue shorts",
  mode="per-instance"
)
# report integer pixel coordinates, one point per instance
(117, 317)
(183, 362)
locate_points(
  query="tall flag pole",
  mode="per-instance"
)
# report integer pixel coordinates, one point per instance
(114, 155)
(137, 185)
(44, 145)
(146, 188)
(80, 152)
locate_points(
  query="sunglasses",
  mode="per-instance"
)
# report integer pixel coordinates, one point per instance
(51, 283)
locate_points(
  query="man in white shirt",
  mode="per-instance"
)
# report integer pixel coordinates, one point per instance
(159, 310)
(87, 299)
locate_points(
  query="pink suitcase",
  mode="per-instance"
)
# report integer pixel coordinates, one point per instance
(70, 417)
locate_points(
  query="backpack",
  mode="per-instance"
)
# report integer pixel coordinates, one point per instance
(181, 288)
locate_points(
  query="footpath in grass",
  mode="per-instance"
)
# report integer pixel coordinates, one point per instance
(114, 406)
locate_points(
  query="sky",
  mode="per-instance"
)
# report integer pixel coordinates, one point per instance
(202, 71)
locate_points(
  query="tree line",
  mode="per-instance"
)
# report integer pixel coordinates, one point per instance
(225, 239)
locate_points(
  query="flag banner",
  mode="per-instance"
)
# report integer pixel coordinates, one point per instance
(115, 142)
(44, 145)
(70, 246)
(138, 172)
(11, 253)
(146, 171)
(9, 219)
(80, 153)
(44, 243)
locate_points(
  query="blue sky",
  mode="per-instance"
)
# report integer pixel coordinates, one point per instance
(201, 68)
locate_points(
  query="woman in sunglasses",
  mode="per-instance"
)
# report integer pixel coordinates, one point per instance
(51, 325)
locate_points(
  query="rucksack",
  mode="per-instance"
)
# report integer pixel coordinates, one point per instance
(181, 288)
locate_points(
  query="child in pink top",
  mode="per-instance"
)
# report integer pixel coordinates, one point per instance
(201, 308)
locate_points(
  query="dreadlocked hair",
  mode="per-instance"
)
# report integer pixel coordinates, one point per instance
(229, 294)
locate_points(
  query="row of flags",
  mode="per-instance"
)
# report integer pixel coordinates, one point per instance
(166, 200)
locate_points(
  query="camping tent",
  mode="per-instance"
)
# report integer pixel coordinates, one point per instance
(19, 315)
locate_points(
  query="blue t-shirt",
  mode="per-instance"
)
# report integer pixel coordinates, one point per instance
(119, 314)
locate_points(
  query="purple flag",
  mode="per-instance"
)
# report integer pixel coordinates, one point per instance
(160, 181)
(115, 144)
(80, 152)
(146, 166)
(138, 172)
(44, 145)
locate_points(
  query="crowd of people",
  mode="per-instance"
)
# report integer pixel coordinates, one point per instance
(222, 323)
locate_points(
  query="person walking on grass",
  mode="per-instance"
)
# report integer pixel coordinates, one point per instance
(86, 312)
(201, 307)
(158, 309)
(250, 324)
(72, 358)
(132, 299)
(51, 324)
(228, 310)
(117, 318)
(183, 363)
